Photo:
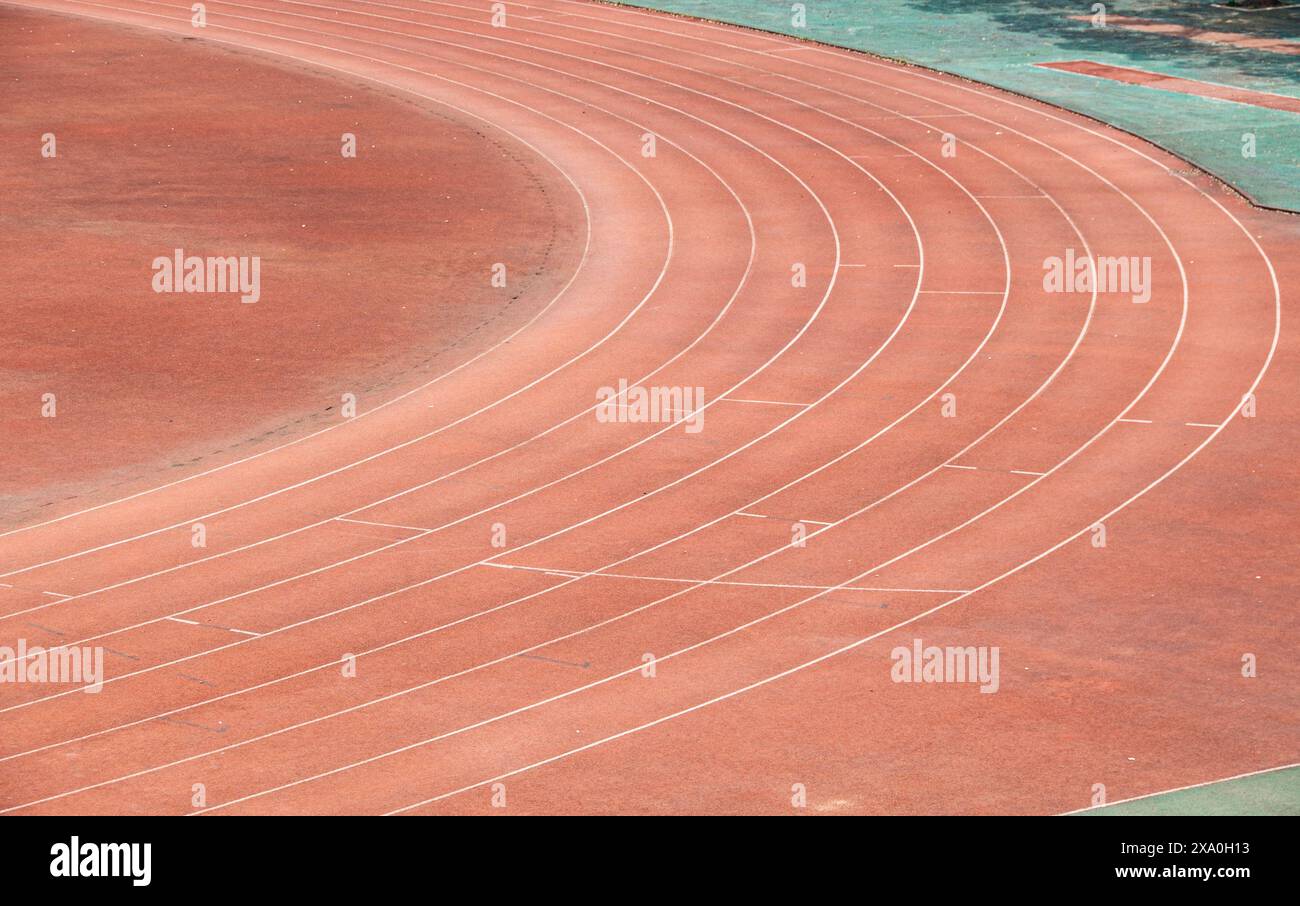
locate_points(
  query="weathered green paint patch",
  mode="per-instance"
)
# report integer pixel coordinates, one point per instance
(998, 41)
(1273, 793)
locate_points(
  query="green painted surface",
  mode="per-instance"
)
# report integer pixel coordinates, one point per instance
(1273, 793)
(998, 41)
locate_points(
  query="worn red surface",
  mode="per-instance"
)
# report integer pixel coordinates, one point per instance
(516, 674)
(1164, 82)
(375, 270)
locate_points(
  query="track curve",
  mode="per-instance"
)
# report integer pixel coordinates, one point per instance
(934, 420)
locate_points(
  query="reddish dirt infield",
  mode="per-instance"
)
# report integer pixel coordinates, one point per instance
(151, 387)
(644, 635)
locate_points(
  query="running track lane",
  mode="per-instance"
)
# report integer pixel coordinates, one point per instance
(1070, 421)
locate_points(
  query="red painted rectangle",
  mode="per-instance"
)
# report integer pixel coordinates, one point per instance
(1172, 83)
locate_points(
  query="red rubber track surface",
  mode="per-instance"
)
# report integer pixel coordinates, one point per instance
(521, 671)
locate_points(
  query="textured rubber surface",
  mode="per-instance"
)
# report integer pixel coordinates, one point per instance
(481, 595)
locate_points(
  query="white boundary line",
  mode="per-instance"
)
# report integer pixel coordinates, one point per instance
(1180, 789)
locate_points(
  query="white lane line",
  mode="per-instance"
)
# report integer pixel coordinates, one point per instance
(962, 292)
(784, 519)
(701, 582)
(978, 469)
(409, 528)
(733, 399)
(187, 622)
(1147, 421)
(914, 117)
(55, 594)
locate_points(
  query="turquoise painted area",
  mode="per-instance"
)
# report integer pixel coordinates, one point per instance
(998, 41)
(1273, 793)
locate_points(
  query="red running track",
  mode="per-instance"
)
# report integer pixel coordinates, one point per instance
(521, 674)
